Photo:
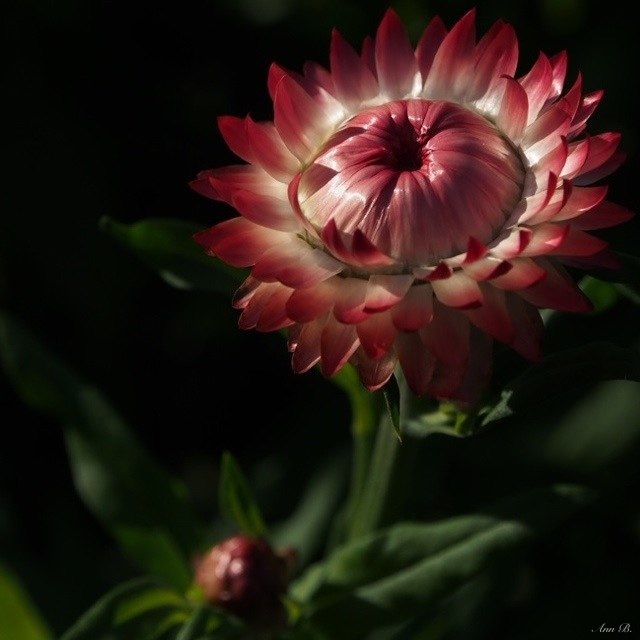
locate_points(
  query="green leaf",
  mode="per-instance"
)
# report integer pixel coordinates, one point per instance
(235, 499)
(18, 616)
(626, 278)
(167, 246)
(412, 568)
(305, 530)
(391, 392)
(145, 610)
(563, 373)
(603, 295)
(132, 610)
(133, 497)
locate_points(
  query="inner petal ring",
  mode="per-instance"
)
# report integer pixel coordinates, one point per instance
(417, 177)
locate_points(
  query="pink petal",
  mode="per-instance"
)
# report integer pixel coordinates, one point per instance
(585, 110)
(524, 272)
(556, 291)
(579, 243)
(374, 373)
(366, 253)
(559, 199)
(527, 325)
(606, 214)
(225, 182)
(446, 380)
(376, 334)
(245, 292)
(266, 211)
(337, 344)
(270, 151)
(253, 309)
(537, 84)
(308, 304)
(293, 335)
(395, 60)
(496, 55)
(415, 309)
(459, 291)
(296, 264)
(416, 361)
(512, 116)
(238, 241)
(487, 268)
(581, 199)
(353, 79)
(307, 351)
(543, 135)
(477, 373)
(202, 186)
(604, 259)
(514, 244)
(384, 291)
(538, 201)
(301, 121)
(576, 158)
(554, 159)
(452, 61)
(447, 335)
(475, 251)
(316, 75)
(276, 73)
(441, 272)
(428, 45)
(571, 100)
(350, 296)
(234, 132)
(333, 240)
(605, 169)
(602, 158)
(492, 316)
(368, 55)
(274, 315)
(559, 71)
(545, 238)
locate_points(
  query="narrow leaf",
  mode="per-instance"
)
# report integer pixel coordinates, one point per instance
(140, 602)
(235, 499)
(413, 568)
(18, 616)
(603, 295)
(115, 477)
(166, 245)
(391, 393)
(305, 530)
(564, 372)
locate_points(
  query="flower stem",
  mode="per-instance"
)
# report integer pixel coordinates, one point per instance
(368, 513)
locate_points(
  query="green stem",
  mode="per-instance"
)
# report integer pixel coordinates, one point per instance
(363, 442)
(369, 511)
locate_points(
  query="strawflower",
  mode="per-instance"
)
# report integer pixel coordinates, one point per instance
(245, 576)
(408, 206)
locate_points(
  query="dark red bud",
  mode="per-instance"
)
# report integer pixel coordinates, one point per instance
(244, 576)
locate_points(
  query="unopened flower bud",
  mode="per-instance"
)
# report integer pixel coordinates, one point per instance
(246, 577)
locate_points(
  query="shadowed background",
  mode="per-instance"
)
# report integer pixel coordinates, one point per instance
(112, 110)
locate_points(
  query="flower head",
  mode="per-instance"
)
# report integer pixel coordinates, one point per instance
(409, 205)
(247, 577)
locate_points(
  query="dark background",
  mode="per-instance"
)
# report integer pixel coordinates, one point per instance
(110, 109)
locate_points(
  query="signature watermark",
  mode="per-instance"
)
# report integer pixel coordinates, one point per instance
(625, 627)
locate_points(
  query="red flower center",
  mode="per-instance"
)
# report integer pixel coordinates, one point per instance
(417, 177)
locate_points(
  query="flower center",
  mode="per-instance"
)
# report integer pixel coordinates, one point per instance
(417, 177)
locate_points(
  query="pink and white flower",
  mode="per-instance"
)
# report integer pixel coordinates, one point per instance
(408, 206)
